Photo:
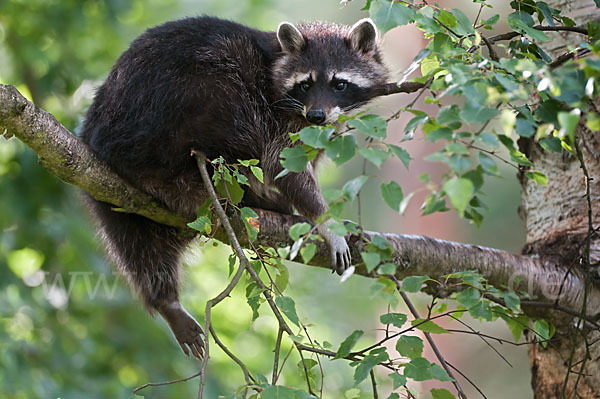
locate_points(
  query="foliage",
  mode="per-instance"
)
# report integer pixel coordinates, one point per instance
(494, 101)
(485, 104)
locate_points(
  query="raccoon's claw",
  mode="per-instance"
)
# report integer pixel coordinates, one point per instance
(339, 252)
(185, 328)
(191, 337)
(340, 257)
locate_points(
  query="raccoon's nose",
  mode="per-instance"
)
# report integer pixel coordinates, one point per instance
(316, 116)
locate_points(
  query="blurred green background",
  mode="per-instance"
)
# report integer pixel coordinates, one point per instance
(70, 328)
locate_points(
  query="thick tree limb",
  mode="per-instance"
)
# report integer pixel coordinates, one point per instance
(63, 155)
(66, 157)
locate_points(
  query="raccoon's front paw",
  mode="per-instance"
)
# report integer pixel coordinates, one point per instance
(185, 328)
(339, 253)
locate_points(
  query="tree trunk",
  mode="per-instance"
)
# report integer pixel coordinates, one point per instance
(558, 223)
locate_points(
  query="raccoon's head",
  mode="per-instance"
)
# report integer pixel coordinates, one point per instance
(326, 69)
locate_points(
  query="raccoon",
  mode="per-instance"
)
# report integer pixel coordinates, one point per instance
(226, 90)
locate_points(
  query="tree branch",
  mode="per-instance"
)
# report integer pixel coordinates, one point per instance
(513, 34)
(68, 158)
(394, 88)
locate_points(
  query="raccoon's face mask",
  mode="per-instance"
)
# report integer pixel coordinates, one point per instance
(326, 70)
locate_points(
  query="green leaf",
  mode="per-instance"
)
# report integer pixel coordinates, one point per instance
(308, 252)
(418, 369)
(488, 139)
(568, 123)
(352, 187)
(551, 144)
(442, 43)
(537, 177)
(388, 14)
(546, 12)
(413, 283)
(492, 20)
(347, 345)
(338, 228)
(438, 373)
(258, 173)
(398, 380)
(517, 326)
(547, 111)
(341, 149)
(202, 224)
(392, 195)
(387, 268)
(448, 115)
(415, 122)
(525, 127)
(428, 326)
(543, 331)
(459, 191)
(443, 133)
(522, 22)
(463, 25)
(441, 393)
(410, 346)
(475, 113)
(288, 307)
(376, 155)
(481, 310)
(316, 136)
(278, 392)
(298, 230)
(250, 219)
(374, 357)
(294, 159)
(488, 164)
(233, 188)
(593, 121)
(401, 153)
(395, 319)
(512, 301)
(371, 259)
(371, 125)
(468, 297)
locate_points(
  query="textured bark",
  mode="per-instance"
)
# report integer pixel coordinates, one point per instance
(557, 225)
(66, 157)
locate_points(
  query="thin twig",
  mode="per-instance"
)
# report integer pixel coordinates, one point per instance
(432, 343)
(235, 244)
(586, 265)
(483, 338)
(158, 384)
(276, 360)
(201, 161)
(580, 52)
(247, 376)
(374, 384)
(490, 46)
(468, 380)
(512, 35)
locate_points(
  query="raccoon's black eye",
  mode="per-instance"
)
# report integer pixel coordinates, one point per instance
(305, 86)
(341, 86)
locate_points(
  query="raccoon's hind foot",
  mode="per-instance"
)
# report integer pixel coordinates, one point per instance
(339, 252)
(185, 328)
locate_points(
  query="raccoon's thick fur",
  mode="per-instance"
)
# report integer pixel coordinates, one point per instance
(226, 90)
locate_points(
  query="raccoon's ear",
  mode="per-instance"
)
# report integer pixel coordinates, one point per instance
(290, 38)
(363, 36)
